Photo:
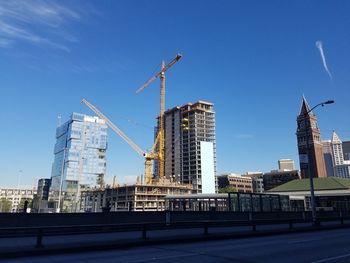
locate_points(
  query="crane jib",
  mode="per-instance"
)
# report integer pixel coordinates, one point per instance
(155, 76)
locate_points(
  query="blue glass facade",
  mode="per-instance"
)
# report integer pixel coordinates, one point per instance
(80, 154)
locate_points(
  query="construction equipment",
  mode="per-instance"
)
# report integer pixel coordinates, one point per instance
(161, 131)
(149, 157)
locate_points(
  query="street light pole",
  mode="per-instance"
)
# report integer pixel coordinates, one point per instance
(309, 162)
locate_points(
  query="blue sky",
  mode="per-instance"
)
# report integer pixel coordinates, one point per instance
(253, 59)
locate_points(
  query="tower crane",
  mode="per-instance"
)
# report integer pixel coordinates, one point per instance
(149, 156)
(161, 131)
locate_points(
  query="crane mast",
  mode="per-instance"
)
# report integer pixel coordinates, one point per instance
(161, 150)
(161, 124)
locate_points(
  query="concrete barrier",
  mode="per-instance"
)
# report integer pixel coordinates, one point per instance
(71, 219)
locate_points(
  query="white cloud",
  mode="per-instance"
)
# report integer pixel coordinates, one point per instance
(39, 22)
(319, 45)
(17, 33)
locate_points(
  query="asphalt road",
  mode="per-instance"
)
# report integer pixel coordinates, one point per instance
(313, 247)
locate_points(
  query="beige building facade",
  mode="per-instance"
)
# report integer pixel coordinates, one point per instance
(243, 184)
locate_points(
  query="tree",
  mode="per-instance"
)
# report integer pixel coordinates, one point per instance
(227, 189)
(5, 205)
(21, 204)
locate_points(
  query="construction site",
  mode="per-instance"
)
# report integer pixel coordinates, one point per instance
(135, 197)
(164, 174)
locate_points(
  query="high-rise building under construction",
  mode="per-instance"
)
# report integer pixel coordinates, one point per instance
(190, 146)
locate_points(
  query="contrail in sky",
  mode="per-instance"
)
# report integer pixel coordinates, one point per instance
(320, 48)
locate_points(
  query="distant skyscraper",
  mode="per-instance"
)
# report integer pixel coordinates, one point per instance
(341, 166)
(308, 130)
(337, 150)
(80, 152)
(190, 147)
(328, 157)
(286, 164)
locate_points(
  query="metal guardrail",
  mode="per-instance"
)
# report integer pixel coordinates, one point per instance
(40, 232)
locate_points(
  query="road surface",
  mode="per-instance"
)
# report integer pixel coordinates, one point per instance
(313, 247)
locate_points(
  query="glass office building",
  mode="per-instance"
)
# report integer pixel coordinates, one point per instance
(80, 157)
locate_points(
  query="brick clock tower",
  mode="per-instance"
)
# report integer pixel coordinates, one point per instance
(311, 151)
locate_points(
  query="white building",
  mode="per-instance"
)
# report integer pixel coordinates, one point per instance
(258, 181)
(190, 145)
(15, 196)
(341, 167)
(286, 165)
(334, 156)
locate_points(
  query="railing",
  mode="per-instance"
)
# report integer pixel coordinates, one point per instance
(252, 222)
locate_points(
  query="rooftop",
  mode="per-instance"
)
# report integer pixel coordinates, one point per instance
(208, 104)
(330, 183)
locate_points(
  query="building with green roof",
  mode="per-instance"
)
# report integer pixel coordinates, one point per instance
(330, 193)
